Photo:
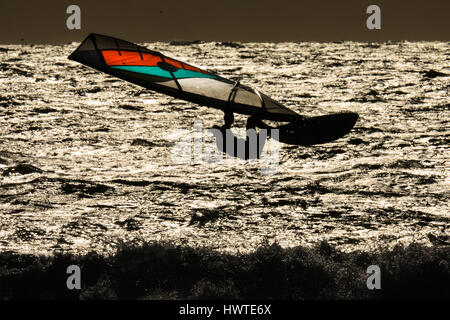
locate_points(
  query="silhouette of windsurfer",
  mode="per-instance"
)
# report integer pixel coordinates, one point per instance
(249, 148)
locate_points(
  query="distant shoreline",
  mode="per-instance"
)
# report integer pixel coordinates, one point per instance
(198, 41)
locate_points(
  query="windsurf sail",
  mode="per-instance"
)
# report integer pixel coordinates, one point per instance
(155, 71)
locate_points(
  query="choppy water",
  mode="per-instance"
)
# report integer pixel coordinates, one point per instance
(85, 159)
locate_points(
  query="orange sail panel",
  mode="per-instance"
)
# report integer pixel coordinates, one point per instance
(133, 58)
(129, 58)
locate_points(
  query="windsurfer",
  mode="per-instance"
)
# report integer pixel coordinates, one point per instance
(249, 148)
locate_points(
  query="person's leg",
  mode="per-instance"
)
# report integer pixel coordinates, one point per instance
(255, 141)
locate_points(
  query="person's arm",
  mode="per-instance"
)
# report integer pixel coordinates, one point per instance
(253, 122)
(228, 119)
